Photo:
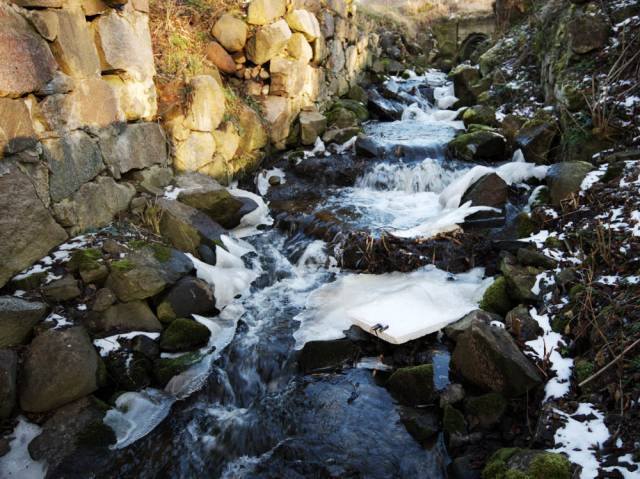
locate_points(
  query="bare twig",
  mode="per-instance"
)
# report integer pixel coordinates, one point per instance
(611, 363)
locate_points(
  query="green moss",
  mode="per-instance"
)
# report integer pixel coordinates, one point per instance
(552, 242)
(575, 291)
(122, 265)
(166, 368)
(515, 474)
(525, 226)
(496, 298)
(413, 385)
(85, 259)
(583, 369)
(184, 335)
(161, 252)
(137, 244)
(488, 408)
(496, 467)
(614, 170)
(550, 466)
(165, 312)
(453, 421)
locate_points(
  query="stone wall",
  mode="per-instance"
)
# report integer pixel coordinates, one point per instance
(79, 129)
(290, 59)
(77, 104)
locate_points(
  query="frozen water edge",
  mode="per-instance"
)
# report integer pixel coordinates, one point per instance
(17, 463)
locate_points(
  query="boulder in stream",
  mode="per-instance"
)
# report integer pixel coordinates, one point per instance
(479, 145)
(188, 296)
(536, 139)
(327, 355)
(184, 335)
(487, 357)
(220, 205)
(414, 385)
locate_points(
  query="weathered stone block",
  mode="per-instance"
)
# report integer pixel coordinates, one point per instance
(26, 63)
(94, 205)
(268, 42)
(16, 129)
(195, 152)
(27, 230)
(73, 47)
(231, 32)
(138, 99)
(73, 160)
(304, 22)
(137, 146)
(207, 104)
(261, 12)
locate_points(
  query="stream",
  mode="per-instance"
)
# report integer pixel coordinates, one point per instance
(246, 410)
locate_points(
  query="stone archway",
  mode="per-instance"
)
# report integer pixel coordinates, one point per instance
(471, 46)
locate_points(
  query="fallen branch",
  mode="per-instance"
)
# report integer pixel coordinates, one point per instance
(615, 360)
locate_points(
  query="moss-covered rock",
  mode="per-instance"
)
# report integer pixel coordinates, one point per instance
(479, 145)
(520, 279)
(495, 298)
(453, 422)
(413, 385)
(564, 179)
(184, 335)
(515, 463)
(486, 410)
(82, 257)
(166, 368)
(464, 77)
(479, 115)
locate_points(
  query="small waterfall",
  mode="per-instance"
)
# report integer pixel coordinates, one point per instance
(428, 175)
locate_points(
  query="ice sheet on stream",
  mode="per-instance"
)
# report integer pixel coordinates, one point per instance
(406, 305)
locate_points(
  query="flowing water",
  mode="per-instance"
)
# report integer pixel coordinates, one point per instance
(245, 411)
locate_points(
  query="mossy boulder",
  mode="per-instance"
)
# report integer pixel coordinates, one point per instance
(486, 410)
(413, 385)
(516, 463)
(188, 296)
(524, 224)
(327, 355)
(453, 422)
(479, 145)
(464, 77)
(479, 115)
(184, 335)
(166, 368)
(520, 279)
(496, 298)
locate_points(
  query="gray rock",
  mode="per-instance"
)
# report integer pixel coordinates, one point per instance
(531, 257)
(186, 227)
(222, 207)
(422, 424)
(123, 318)
(153, 180)
(479, 145)
(137, 146)
(16, 130)
(521, 325)
(536, 139)
(17, 319)
(70, 437)
(490, 190)
(565, 178)
(60, 366)
(73, 160)
(326, 355)
(104, 298)
(8, 376)
(188, 296)
(588, 33)
(488, 358)
(456, 329)
(27, 230)
(62, 289)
